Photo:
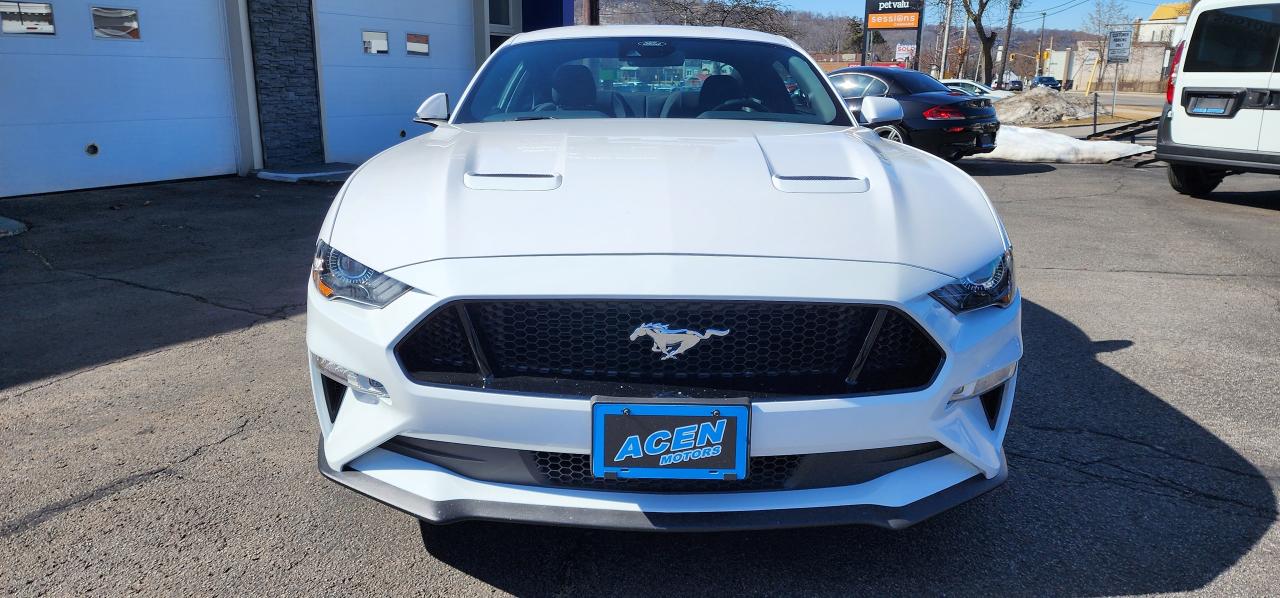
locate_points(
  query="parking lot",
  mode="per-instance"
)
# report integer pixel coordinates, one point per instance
(157, 424)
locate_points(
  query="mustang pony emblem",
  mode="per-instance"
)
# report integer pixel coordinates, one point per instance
(671, 343)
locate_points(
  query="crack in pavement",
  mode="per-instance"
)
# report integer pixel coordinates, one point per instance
(1167, 272)
(194, 296)
(1149, 446)
(1175, 490)
(1153, 481)
(274, 314)
(56, 509)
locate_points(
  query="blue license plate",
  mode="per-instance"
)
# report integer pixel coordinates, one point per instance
(691, 441)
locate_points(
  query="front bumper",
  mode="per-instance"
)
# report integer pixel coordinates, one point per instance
(436, 495)
(362, 339)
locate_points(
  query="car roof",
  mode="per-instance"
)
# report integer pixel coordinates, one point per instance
(885, 71)
(597, 31)
(1204, 5)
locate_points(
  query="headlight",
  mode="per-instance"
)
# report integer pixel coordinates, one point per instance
(337, 276)
(992, 284)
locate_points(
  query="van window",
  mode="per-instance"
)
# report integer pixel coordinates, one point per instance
(1241, 39)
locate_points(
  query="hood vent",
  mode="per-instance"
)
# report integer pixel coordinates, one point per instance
(820, 184)
(511, 181)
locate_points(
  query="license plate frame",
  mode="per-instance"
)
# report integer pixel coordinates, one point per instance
(616, 421)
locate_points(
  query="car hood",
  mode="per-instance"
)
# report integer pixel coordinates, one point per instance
(655, 186)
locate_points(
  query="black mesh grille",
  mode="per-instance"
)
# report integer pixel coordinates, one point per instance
(898, 356)
(442, 347)
(574, 470)
(584, 348)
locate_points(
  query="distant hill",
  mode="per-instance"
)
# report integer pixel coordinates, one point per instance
(831, 34)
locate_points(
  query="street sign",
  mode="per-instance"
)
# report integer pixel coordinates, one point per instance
(1119, 44)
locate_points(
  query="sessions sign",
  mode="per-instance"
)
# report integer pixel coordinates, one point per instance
(894, 14)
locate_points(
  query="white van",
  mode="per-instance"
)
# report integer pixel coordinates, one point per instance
(1223, 110)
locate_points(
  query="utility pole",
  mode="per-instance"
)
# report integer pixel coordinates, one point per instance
(866, 32)
(919, 37)
(964, 37)
(1040, 48)
(946, 38)
(1008, 31)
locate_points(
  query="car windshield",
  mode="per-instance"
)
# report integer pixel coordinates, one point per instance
(645, 77)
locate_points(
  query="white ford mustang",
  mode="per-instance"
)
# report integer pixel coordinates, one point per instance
(658, 278)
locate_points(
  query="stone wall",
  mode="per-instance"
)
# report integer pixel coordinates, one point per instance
(284, 62)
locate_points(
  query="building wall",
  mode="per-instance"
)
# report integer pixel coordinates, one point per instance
(148, 97)
(369, 99)
(1145, 70)
(284, 62)
(1167, 31)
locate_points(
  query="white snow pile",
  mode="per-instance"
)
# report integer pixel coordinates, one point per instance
(1042, 106)
(1022, 144)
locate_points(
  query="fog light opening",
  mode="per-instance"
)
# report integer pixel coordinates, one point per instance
(985, 383)
(352, 379)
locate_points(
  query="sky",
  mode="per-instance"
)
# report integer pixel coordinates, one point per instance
(1063, 14)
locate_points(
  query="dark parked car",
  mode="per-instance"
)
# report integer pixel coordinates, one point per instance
(1049, 82)
(1015, 85)
(936, 119)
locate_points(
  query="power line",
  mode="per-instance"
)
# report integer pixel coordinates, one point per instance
(1073, 4)
(1034, 9)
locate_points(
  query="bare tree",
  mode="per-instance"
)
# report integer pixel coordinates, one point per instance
(975, 10)
(1105, 16)
(761, 15)
(820, 33)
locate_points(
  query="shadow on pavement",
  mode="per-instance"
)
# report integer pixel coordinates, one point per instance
(980, 167)
(109, 274)
(1111, 491)
(1267, 200)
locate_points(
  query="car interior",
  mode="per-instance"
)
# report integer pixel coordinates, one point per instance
(541, 83)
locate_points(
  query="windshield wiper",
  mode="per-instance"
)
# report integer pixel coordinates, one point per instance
(534, 118)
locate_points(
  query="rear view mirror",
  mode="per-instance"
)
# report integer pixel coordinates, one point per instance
(434, 110)
(876, 110)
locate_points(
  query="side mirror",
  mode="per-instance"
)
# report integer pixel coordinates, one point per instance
(876, 110)
(434, 110)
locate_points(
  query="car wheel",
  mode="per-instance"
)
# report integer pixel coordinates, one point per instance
(1195, 181)
(892, 133)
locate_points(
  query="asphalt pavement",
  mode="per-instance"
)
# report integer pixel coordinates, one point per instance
(160, 437)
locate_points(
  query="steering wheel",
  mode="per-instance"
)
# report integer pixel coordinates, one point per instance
(743, 104)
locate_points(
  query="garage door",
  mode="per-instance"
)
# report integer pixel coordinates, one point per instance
(379, 59)
(92, 95)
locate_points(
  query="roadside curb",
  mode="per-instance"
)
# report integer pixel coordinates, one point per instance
(10, 227)
(335, 172)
